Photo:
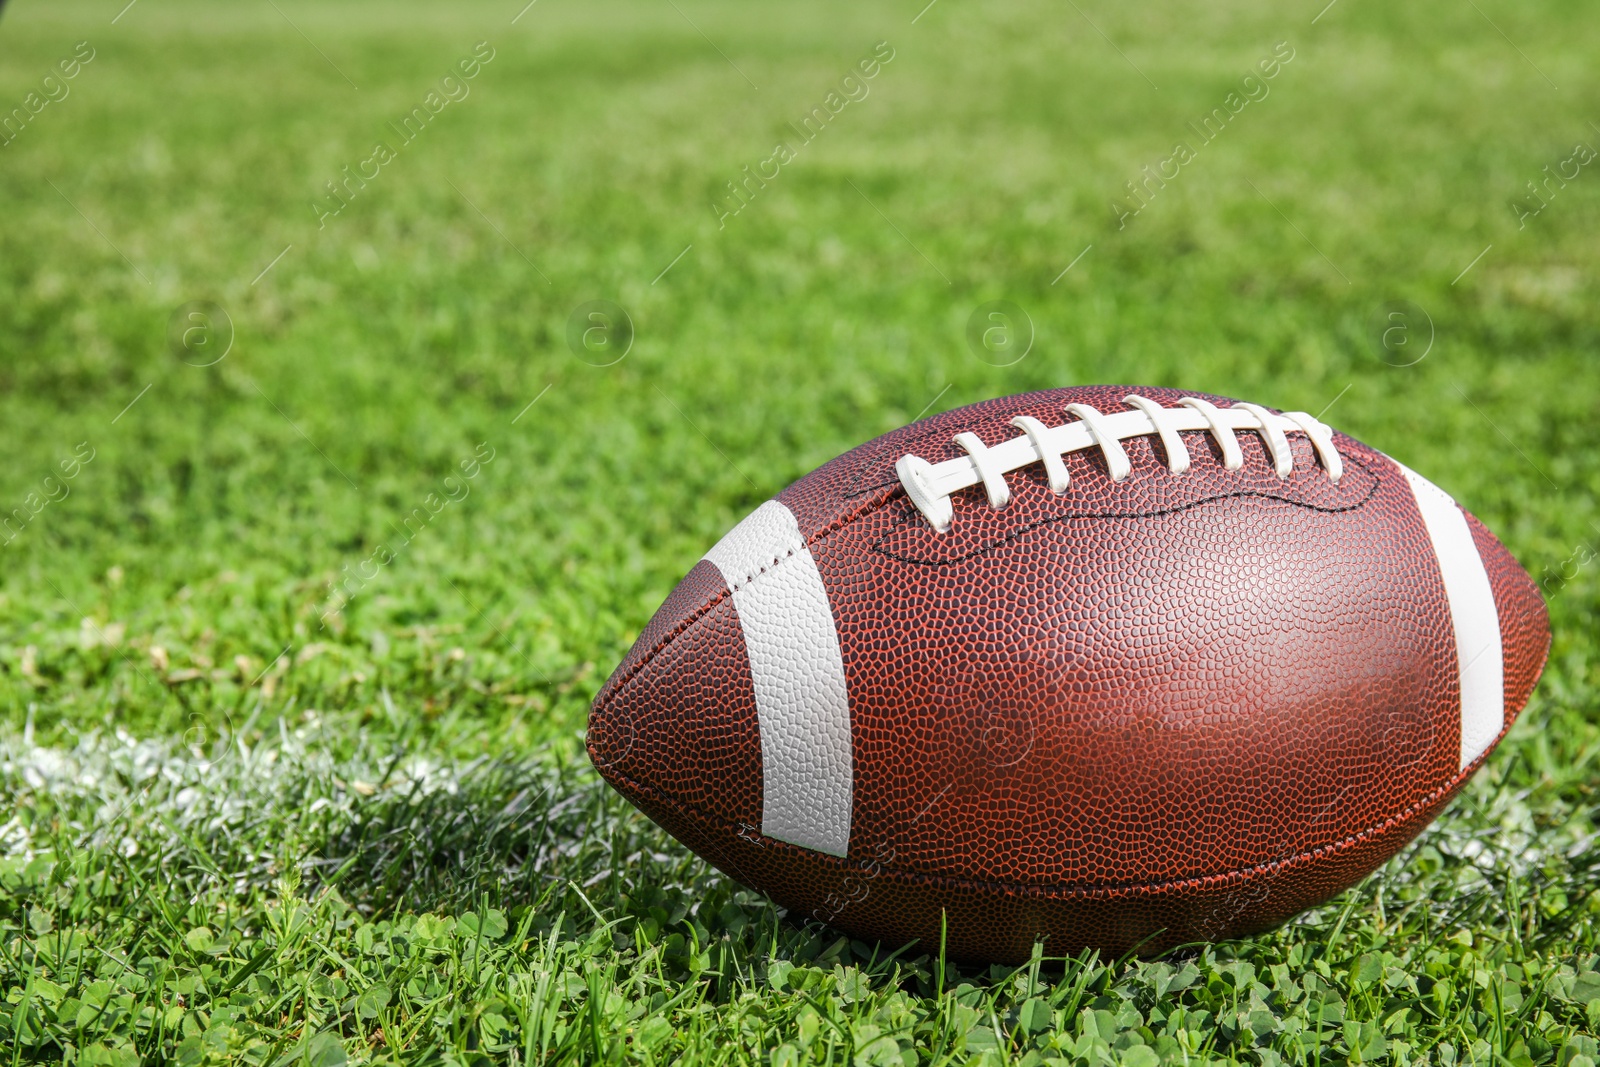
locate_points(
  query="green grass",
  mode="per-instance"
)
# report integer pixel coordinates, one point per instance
(245, 821)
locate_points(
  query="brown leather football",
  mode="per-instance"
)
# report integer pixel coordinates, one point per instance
(1116, 667)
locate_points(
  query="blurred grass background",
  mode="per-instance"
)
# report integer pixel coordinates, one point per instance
(179, 590)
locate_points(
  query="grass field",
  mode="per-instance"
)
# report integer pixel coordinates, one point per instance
(296, 646)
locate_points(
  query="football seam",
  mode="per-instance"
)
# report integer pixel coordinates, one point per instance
(1070, 891)
(877, 546)
(610, 691)
(749, 577)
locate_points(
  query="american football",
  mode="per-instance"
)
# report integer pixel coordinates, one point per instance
(1113, 667)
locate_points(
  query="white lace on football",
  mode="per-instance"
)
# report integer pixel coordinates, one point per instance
(929, 485)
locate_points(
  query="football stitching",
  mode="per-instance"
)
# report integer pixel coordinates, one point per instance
(609, 692)
(1237, 873)
(913, 520)
(766, 567)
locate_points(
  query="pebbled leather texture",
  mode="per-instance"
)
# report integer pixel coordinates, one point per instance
(807, 758)
(1143, 713)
